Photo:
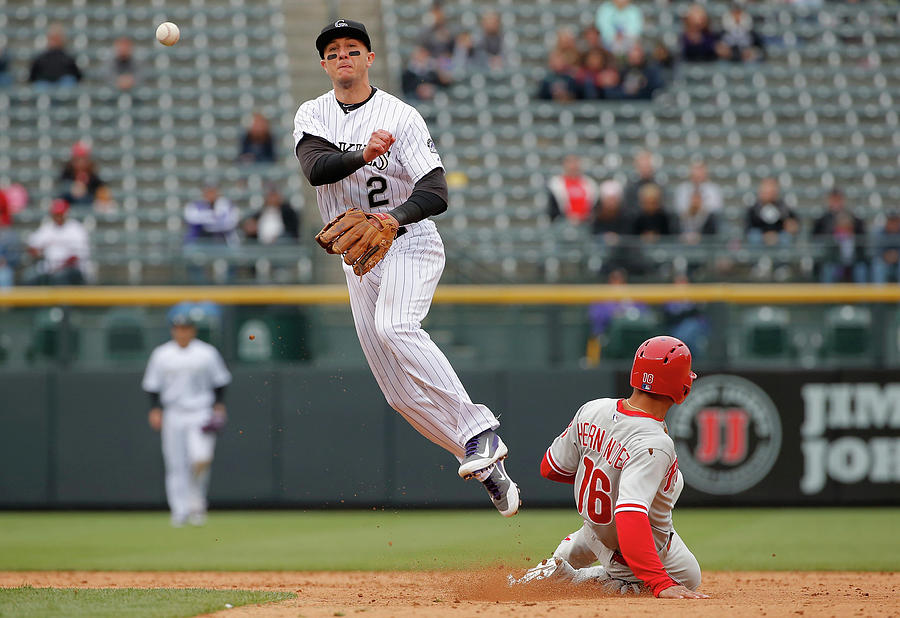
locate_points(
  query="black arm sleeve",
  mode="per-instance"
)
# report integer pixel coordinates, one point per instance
(154, 400)
(553, 210)
(429, 197)
(323, 163)
(220, 394)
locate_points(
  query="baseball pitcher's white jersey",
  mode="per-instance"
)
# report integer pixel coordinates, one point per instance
(622, 460)
(386, 182)
(185, 377)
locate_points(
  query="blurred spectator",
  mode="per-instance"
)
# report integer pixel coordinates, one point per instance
(652, 221)
(567, 47)
(79, 178)
(104, 203)
(610, 221)
(213, 218)
(845, 258)
(697, 203)
(600, 315)
(560, 83)
(639, 78)
(837, 206)
(62, 248)
(572, 194)
(769, 220)
(54, 65)
(686, 320)
(466, 55)
(598, 78)
(590, 41)
(5, 211)
(123, 67)
(13, 199)
(645, 174)
(698, 42)
(5, 75)
(620, 24)
(739, 41)
(886, 263)
(421, 77)
(664, 59)
(489, 44)
(257, 145)
(7, 243)
(7, 276)
(437, 37)
(275, 221)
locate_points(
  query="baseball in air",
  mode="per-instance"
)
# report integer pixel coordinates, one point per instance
(167, 33)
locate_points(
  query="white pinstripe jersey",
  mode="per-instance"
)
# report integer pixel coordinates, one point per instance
(386, 182)
(623, 458)
(185, 377)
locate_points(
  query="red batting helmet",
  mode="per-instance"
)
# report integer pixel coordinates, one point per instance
(662, 365)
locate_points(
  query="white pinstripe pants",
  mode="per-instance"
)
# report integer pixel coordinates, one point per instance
(389, 303)
(185, 444)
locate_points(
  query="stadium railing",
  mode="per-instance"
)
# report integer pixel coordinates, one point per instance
(536, 326)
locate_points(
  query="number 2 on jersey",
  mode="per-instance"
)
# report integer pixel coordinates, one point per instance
(377, 186)
(593, 496)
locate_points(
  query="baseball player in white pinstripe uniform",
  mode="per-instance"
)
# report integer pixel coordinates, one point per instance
(186, 380)
(364, 148)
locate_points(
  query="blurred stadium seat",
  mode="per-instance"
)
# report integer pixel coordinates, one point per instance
(627, 331)
(766, 330)
(50, 340)
(819, 112)
(124, 334)
(156, 144)
(814, 114)
(848, 333)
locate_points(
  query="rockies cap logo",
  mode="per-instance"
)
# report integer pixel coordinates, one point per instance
(340, 23)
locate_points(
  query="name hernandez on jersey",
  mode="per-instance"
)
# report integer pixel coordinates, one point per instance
(386, 182)
(622, 460)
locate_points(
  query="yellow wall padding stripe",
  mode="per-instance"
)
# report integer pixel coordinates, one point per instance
(811, 293)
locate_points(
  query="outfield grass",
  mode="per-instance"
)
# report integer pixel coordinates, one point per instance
(730, 539)
(132, 602)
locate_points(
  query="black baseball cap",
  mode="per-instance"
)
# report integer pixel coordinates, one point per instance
(342, 28)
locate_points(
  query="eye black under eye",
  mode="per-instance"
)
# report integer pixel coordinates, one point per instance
(355, 52)
(331, 56)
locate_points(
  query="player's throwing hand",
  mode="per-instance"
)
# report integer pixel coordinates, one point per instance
(379, 143)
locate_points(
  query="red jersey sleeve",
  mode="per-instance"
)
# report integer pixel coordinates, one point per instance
(552, 471)
(637, 547)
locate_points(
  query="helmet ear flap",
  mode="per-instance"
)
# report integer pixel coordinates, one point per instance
(690, 383)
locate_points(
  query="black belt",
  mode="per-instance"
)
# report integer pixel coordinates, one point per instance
(400, 232)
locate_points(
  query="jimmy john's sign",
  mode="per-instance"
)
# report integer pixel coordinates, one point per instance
(850, 434)
(790, 438)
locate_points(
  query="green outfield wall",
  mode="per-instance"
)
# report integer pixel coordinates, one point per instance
(315, 437)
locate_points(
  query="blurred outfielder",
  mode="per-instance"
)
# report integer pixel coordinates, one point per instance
(186, 380)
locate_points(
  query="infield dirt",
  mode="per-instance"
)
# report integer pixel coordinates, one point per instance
(485, 593)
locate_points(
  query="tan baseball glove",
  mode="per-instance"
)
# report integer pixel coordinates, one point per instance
(363, 238)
